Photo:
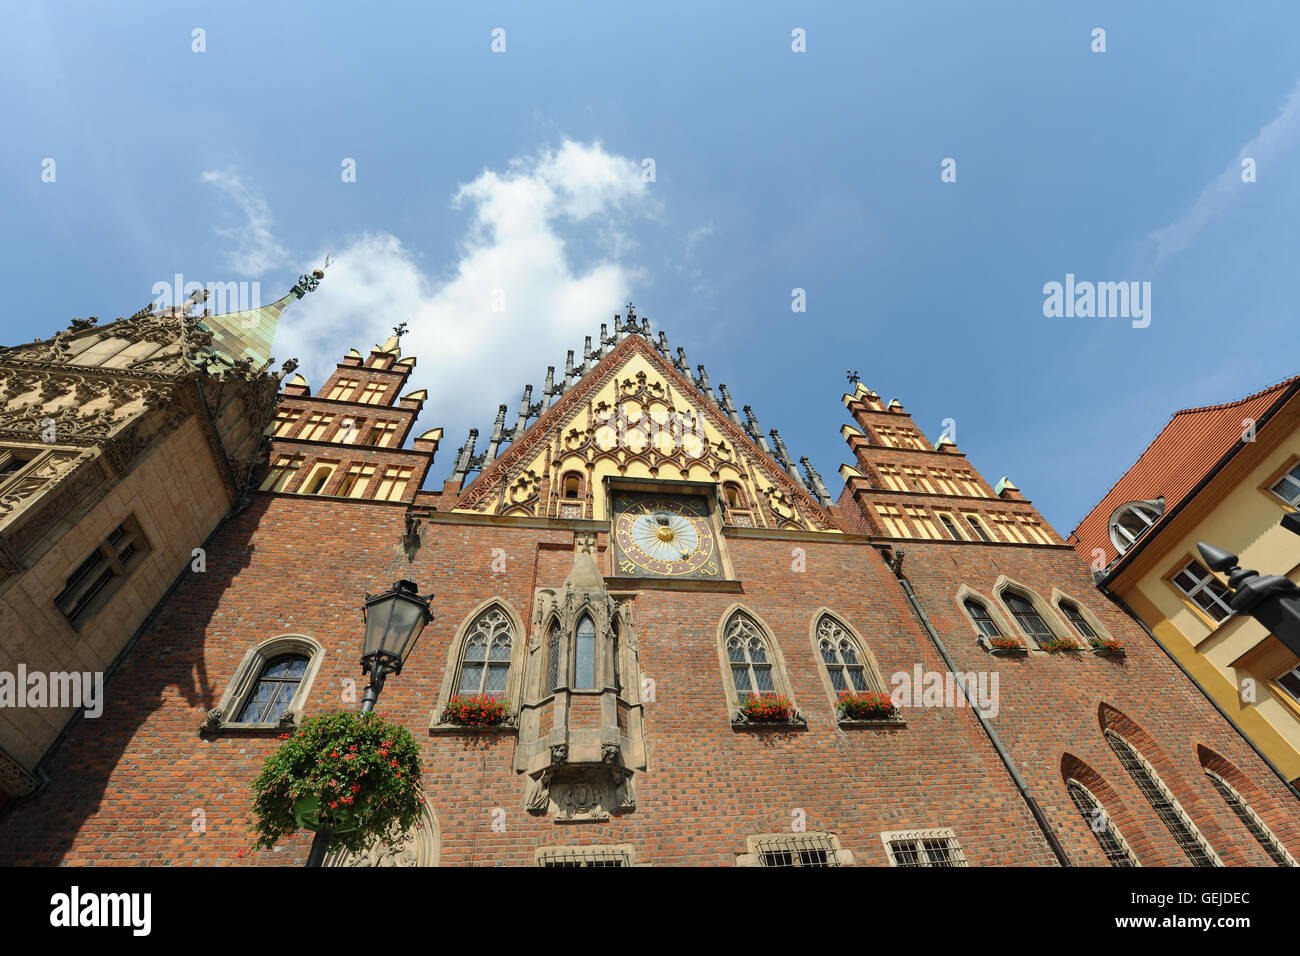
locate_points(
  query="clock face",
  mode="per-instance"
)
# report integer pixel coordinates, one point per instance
(663, 536)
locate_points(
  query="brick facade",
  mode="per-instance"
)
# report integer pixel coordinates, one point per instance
(125, 788)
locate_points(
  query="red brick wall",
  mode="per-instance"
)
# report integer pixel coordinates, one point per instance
(124, 786)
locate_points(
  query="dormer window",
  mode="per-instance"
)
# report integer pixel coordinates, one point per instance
(1129, 522)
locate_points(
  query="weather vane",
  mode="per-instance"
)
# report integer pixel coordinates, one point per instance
(399, 330)
(853, 375)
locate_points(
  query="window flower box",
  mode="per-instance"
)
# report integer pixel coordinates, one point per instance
(1005, 646)
(478, 710)
(767, 711)
(866, 706)
(1057, 645)
(1106, 647)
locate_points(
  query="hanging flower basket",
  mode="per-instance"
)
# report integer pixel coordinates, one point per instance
(759, 709)
(479, 710)
(866, 706)
(1107, 646)
(355, 775)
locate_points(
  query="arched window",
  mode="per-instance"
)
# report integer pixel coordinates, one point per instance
(735, 497)
(485, 667)
(983, 620)
(572, 485)
(1030, 621)
(844, 659)
(1102, 826)
(275, 689)
(751, 664)
(1251, 820)
(1075, 617)
(553, 654)
(584, 657)
(1130, 521)
(1163, 802)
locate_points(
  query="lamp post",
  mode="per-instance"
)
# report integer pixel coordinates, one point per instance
(394, 621)
(1271, 599)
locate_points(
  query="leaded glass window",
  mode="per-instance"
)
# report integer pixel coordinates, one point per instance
(585, 655)
(751, 667)
(841, 656)
(1099, 822)
(486, 664)
(275, 689)
(1030, 621)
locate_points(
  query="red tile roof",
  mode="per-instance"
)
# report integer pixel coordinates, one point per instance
(1174, 463)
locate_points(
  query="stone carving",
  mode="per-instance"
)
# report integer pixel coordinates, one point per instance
(418, 846)
(14, 779)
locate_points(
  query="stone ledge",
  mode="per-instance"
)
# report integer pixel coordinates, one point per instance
(883, 722)
(437, 728)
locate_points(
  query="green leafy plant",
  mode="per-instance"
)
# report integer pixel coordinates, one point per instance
(357, 775)
(757, 707)
(866, 706)
(1006, 644)
(1107, 645)
(1056, 644)
(478, 710)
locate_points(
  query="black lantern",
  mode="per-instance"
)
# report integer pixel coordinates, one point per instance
(394, 621)
(1271, 599)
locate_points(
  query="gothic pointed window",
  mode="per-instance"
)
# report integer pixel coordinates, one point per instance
(843, 659)
(486, 664)
(983, 620)
(1102, 826)
(1163, 802)
(584, 656)
(1251, 821)
(751, 665)
(1030, 621)
(1075, 617)
(276, 686)
(553, 668)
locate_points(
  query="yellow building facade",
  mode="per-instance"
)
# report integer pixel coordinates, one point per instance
(1224, 475)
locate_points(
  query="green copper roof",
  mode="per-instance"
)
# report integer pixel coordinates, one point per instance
(247, 334)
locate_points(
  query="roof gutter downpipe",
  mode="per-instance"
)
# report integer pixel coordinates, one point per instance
(1034, 809)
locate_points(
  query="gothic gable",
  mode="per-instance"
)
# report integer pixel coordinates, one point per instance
(636, 416)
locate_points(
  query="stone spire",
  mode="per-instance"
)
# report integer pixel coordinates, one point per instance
(755, 430)
(782, 455)
(465, 456)
(498, 432)
(702, 383)
(815, 482)
(727, 406)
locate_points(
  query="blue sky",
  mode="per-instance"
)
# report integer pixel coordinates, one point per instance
(774, 170)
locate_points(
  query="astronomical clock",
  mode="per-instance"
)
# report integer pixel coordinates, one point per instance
(664, 535)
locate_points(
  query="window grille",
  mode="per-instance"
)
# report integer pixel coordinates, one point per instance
(924, 848)
(1099, 822)
(1167, 808)
(584, 856)
(806, 849)
(1251, 821)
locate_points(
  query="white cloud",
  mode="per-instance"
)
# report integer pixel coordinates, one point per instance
(255, 249)
(1271, 142)
(470, 357)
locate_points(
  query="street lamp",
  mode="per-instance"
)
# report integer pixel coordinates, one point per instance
(394, 621)
(1271, 599)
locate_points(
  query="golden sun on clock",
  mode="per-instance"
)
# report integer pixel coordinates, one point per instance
(664, 536)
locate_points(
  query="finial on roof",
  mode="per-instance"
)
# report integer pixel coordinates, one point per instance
(683, 365)
(464, 456)
(815, 480)
(755, 430)
(853, 376)
(782, 455)
(702, 383)
(498, 432)
(726, 404)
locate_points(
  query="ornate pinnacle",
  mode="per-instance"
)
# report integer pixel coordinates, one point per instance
(588, 356)
(755, 430)
(610, 340)
(702, 383)
(782, 455)
(815, 480)
(498, 432)
(727, 406)
(465, 456)
(662, 345)
(525, 412)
